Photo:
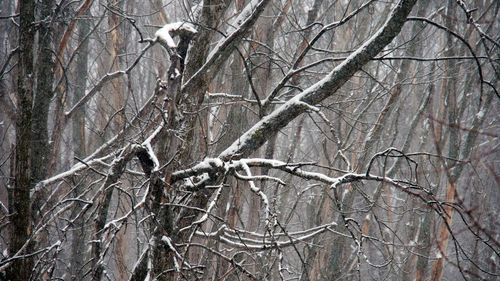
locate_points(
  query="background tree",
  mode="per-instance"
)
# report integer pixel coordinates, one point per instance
(254, 140)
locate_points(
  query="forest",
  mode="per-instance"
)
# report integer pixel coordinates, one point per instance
(249, 140)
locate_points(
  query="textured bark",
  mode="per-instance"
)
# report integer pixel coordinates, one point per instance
(41, 100)
(168, 145)
(44, 92)
(20, 268)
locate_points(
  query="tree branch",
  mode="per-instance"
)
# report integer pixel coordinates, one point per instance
(326, 87)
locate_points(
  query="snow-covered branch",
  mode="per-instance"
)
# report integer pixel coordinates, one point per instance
(165, 35)
(242, 24)
(282, 116)
(215, 165)
(260, 242)
(211, 206)
(75, 169)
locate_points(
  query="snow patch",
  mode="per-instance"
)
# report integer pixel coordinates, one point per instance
(480, 114)
(163, 34)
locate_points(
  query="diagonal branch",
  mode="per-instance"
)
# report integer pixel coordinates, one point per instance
(221, 51)
(326, 87)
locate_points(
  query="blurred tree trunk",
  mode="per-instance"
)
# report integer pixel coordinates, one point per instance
(337, 259)
(236, 123)
(158, 53)
(21, 267)
(449, 92)
(110, 112)
(60, 119)
(110, 119)
(78, 252)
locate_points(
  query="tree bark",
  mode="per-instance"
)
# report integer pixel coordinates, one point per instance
(20, 269)
(44, 92)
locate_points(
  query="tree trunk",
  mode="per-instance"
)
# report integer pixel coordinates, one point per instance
(79, 149)
(44, 92)
(21, 267)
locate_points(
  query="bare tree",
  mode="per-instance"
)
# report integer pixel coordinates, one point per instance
(254, 140)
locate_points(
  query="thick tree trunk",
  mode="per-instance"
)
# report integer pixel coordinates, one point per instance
(21, 267)
(44, 92)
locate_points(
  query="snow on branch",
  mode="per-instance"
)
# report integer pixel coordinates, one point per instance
(75, 169)
(144, 148)
(259, 192)
(209, 209)
(242, 24)
(326, 87)
(147, 157)
(168, 242)
(260, 242)
(208, 165)
(165, 34)
(116, 223)
(204, 172)
(216, 165)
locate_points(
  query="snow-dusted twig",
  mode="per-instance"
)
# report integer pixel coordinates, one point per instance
(5, 263)
(168, 242)
(258, 177)
(203, 218)
(75, 169)
(107, 77)
(294, 70)
(259, 237)
(260, 193)
(470, 18)
(121, 219)
(262, 242)
(232, 261)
